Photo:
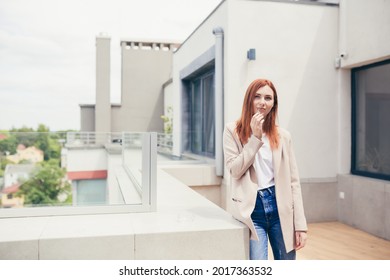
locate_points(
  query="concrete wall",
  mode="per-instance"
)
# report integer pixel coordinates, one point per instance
(185, 226)
(295, 48)
(87, 118)
(86, 160)
(144, 71)
(299, 59)
(103, 104)
(364, 38)
(146, 66)
(200, 178)
(168, 97)
(364, 203)
(197, 44)
(364, 31)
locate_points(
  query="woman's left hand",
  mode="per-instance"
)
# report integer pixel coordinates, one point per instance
(300, 239)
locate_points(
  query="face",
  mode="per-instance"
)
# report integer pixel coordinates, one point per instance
(263, 101)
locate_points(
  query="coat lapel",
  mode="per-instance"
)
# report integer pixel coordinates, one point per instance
(252, 170)
(277, 158)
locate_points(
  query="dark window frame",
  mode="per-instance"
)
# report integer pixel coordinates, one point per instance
(201, 76)
(354, 118)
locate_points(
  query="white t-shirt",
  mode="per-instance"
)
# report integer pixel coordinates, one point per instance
(264, 165)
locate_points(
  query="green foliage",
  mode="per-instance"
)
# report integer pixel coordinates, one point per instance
(168, 120)
(54, 150)
(23, 129)
(8, 145)
(43, 128)
(24, 136)
(54, 162)
(41, 139)
(3, 163)
(46, 186)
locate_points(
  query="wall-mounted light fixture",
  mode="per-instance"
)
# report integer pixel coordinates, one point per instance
(251, 54)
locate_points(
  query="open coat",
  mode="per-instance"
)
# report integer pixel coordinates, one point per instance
(239, 161)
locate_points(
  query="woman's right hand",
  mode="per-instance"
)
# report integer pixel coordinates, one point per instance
(257, 124)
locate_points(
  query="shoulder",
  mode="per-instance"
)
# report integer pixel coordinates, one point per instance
(231, 127)
(230, 134)
(284, 134)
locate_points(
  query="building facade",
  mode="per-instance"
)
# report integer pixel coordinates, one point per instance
(329, 61)
(146, 66)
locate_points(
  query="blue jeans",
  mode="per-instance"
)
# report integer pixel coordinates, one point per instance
(267, 224)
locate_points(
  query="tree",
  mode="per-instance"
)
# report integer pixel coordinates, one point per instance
(43, 128)
(46, 186)
(9, 145)
(42, 139)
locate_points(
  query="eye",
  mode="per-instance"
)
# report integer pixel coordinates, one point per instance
(268, 98)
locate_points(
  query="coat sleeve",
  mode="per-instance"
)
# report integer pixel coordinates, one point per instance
(299, 213)
(238, 162)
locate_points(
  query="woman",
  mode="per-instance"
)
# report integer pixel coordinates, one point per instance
(265, 187)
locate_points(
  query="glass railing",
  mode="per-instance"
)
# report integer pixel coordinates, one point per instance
(140, 163)
(92, 138)
(164, 143)
(54, 173)
(31, 170)
(165, 150)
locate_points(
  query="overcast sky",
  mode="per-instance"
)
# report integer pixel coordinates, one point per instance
(47, 51)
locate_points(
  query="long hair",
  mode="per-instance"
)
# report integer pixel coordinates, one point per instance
(243, 127)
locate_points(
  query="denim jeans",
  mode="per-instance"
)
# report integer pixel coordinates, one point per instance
(267, 224)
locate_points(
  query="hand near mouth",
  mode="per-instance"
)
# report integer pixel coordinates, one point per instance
(257, 124)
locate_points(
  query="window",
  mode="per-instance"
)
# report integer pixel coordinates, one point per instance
(371, 120)
(201, 115)
(90, 192)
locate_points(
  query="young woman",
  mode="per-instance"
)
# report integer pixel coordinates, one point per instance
(265, 187)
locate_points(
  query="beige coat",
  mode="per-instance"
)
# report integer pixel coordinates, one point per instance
(243, 181)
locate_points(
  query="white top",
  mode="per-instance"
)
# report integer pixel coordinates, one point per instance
(264, 165)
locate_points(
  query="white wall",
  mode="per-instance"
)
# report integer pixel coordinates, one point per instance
(197, 44)
(168, 97)
(144, 71)
(86, 160)
(295, 46)
(364, 38)
(103, 81)
(87, 118)
(365, 31)
(13, 178)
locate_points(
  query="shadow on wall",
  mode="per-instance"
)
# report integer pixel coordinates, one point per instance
(156, 124)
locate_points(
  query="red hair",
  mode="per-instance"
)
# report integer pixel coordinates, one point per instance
(243, 127)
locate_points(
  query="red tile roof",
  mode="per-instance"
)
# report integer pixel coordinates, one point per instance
(85, 175)
(11, 189)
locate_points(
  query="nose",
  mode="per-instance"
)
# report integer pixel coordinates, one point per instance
(262, 100)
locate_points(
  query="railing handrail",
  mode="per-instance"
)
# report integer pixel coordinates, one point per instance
(91, 138)
(165, 143)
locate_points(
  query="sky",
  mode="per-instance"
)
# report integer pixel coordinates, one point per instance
(47, 51)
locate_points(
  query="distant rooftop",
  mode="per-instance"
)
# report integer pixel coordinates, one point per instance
(150, 44)
(17, 168)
